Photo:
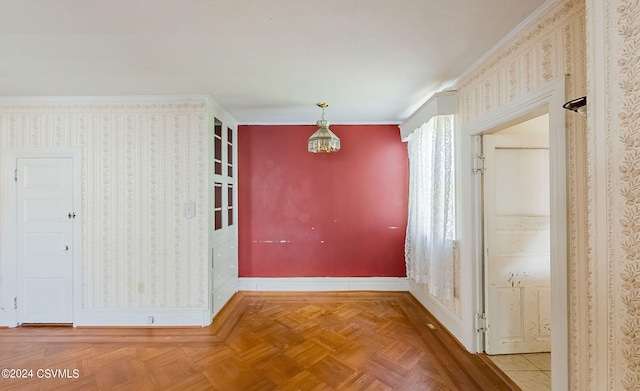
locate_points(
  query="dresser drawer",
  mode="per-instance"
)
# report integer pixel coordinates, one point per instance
(224, 270)
(223, 252)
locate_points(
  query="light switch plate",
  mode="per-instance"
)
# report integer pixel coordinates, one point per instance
(189, 209)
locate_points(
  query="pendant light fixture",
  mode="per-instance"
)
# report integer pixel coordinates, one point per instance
(323, 140)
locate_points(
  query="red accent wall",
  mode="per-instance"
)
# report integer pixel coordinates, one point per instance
(342, 214)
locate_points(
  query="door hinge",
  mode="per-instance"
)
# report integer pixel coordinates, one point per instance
(478, 164)
(15, 175)
(15, 303)
(481, 322)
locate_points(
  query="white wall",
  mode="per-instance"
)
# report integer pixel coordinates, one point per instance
(141, 160)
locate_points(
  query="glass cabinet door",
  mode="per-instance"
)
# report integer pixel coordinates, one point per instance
(222, 178)
(223, 175)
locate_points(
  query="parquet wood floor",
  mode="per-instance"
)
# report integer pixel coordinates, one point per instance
(259, 341)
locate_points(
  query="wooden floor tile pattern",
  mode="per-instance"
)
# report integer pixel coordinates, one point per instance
(261, 341)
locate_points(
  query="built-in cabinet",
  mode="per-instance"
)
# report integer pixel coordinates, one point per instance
(223, 229)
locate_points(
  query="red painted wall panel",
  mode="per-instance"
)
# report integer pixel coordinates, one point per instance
(321, 215)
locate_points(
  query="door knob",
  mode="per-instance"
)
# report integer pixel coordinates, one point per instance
(66, 248)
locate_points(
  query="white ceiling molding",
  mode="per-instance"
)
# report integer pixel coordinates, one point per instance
(441, 103)
(503, 41)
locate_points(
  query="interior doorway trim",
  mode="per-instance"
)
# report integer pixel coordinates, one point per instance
(8, 241)
(549, 98)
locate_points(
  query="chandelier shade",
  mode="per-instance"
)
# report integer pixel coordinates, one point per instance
(323, 140)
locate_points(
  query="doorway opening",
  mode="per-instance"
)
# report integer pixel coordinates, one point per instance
(547, 99)
(41, 247)
(517, 259)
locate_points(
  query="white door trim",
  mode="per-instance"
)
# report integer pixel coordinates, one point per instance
(8, 253)
(551, 96)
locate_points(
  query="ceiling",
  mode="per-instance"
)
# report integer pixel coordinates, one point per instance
(264, 61)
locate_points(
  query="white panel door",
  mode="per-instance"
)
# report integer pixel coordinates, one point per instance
(517, 244)
(44, 234)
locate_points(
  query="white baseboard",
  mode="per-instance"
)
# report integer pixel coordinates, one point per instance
(142, 317)
(4, 321)
(448, 319)
(302, 284)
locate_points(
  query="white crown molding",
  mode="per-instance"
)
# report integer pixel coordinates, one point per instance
(312, 124)
(502, 42)
(106, 98)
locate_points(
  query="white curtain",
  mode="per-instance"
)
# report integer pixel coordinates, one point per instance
(430, 226)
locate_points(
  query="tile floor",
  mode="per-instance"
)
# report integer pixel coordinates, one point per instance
(532, 371)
